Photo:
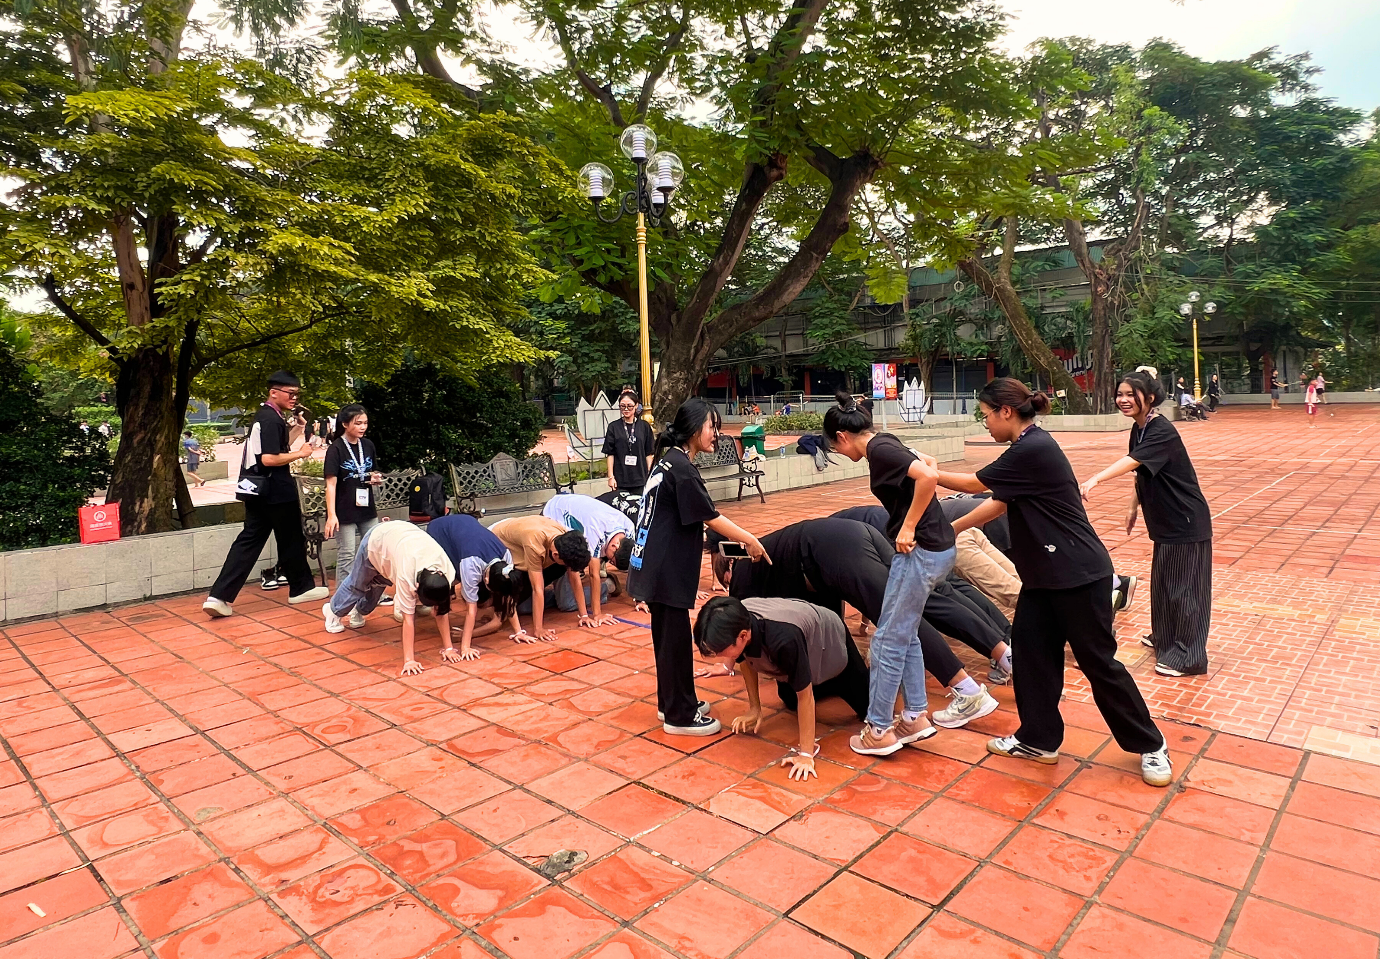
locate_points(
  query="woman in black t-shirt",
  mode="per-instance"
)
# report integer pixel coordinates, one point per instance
(350, 481)
(1179, 523)
(1066, 576)
(664, 569)
(628, 444)
(904, 484)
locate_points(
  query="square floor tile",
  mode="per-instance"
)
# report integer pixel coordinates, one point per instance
(1321, 889)
(60, 898)
(628, 945)
(1323, 842)
(1265, 930)
(431, 850)
(1201, 853)
(1181, 902)
(170, 906)
(1225, 816)
(323, 899)
(880, 799)
(945, 937)
(998, 792)
(401, 928)
(151, 863)
(1106, 932)
(249, 932)
(255, 825)
(289, 858)
(577, 785)
(97, 935)
(774, 874)
(862, 915)
(631, 811)
(1057, 859)
(384, 820)
(959, 826)
(483, 887)
(506, 815)
(697, 839)
(756, 805)
(637, 759)
(1336, 806)
(553, 925)
(1014, 906)
(913, 867)
(629, 881)
(692, 779)
(704, 922)
(565, 833)
(830, 833)
(786, 940)
(1090, 819)
(1248, 785)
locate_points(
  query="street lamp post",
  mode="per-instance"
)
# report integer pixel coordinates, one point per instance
(1190, 309)
(657, 176)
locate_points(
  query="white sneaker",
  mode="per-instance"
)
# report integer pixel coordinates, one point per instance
(1155, 767)
(1014, 748)
(356, 620)
(217, 608)
(316, 592)
(333, 623)
(964, 709)
(996, 675)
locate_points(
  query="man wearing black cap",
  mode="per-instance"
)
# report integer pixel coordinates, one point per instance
(270, 502)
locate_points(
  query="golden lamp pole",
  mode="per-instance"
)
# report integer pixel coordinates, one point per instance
(658, 175)
(1190, 309)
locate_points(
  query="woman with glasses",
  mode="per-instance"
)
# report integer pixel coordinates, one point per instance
(628, 444)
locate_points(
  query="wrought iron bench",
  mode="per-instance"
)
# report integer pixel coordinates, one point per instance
(503, 476)
(728, 453)
(311, 494)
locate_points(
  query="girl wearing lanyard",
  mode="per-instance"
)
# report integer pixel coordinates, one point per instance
(350, 482)
(1066, 577)
(1179, 524)
(628, 446)
(664, 569)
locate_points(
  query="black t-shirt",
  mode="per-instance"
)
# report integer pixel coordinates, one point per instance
(784, 645)
(888, 464)
(274, 437)
(997, 530)
(670, 533)
(807, 558)
(351, 466)
(1053, 546)
(623, 440)
(1167, 485)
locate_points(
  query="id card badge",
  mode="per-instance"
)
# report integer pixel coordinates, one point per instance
(362, 496)
(630, 460)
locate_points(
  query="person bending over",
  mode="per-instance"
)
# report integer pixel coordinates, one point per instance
(484, 575)
(608, 533)
(804, 647)
(829, 562)
(545, 550)
(403, 556)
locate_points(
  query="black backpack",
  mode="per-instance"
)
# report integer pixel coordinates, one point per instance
(427, 496)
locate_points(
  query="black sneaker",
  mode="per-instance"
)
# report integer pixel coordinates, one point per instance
(701, 710)
(269, 579)
(1148, 641)
(282, 577)
(702, 726)
(1121, 597)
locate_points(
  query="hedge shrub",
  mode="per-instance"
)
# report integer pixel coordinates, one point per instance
(794, 423)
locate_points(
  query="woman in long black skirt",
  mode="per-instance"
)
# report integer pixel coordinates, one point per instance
(1179, 524)
(665, 564)
(1066, 577)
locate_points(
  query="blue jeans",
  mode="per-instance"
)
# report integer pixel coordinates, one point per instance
(895, 659)
(349, 539)
(363, 588)
(562, 597)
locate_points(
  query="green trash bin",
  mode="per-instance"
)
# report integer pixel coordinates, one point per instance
(754, 436)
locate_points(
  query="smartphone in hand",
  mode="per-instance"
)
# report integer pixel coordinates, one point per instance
(733, 550)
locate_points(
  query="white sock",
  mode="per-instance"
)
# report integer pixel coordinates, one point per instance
(911, 715)
(967, 687)
(1005, 661)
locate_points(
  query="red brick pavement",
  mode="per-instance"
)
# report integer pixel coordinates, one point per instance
(254, 787)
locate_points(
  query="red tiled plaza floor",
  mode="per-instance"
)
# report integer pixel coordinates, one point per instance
(254, 787)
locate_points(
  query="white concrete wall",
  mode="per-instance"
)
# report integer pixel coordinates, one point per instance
(62, 579)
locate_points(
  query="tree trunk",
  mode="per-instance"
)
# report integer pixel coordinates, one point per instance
(1032, 345)
(143, 478)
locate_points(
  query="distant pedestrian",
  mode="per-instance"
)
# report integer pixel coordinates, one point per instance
(84, 427)
(1214, 393)
(1310, 401)
(1275, 387)
(271, 507)
(628, 446)
(105, 430)
(194, 451)
(350, 483)
(1322, 388)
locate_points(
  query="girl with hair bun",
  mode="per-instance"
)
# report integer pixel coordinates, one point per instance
(1179, 523)
(664, 569)
(904, 484)
(1066, 576)
(628, 445)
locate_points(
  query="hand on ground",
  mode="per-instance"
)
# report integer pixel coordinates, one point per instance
(412, 668)
(751, 718)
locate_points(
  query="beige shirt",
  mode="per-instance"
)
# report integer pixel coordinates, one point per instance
(529, 539)
(399, 551)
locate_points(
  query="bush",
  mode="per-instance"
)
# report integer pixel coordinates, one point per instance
(425, 417)
(48, 466)
(207, 437)
(310, 467)
(794, 423)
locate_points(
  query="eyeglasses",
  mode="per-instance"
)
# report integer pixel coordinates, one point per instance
(627, 406)
(290, 393)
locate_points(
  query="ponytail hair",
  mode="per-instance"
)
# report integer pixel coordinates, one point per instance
(1148, 389)
(346, 414)
(1009, 391)
(503, 583)
(688, 421)
(848, 416)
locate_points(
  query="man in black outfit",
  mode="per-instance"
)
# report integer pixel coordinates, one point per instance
(269, 494)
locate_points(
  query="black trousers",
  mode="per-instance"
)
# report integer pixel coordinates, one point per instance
(284, 522)
(674, 644)
(1181, 604)
(1046, 619)
(977, 601)
(851, 685)
(955, 616)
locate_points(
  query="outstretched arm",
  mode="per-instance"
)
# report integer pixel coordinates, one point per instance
(983, 514)
(1120, 468)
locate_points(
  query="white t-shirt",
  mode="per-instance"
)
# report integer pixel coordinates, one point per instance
(399, 551)
(472, 574)
(598, 521)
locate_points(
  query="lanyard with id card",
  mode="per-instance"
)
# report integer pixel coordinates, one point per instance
(361, 491)
(631, 458)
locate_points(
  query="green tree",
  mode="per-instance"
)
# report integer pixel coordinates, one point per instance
(585, 350)
(423, 416)
(203, 219)
(48, 467)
